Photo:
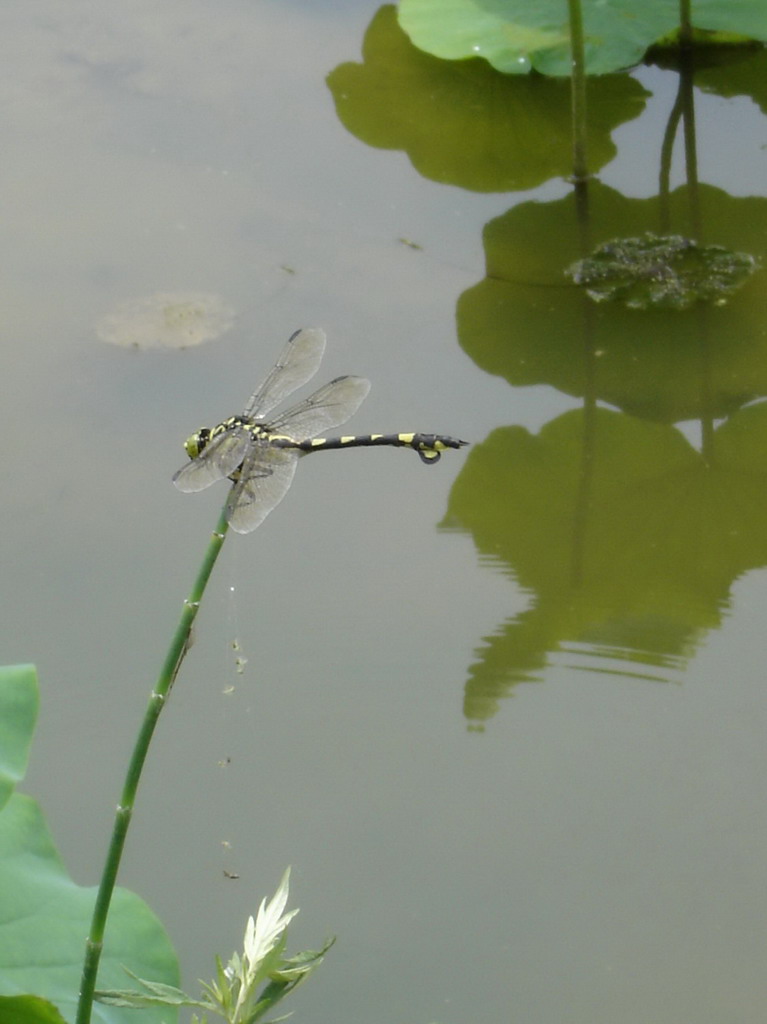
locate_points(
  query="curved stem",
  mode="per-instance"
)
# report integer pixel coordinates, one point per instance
(179, 646)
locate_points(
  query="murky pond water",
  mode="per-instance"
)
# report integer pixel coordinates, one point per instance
(504, 715)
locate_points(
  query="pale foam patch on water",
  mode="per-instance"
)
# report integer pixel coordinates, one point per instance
(167, 320)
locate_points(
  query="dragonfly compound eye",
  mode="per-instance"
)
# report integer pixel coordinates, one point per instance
(196, 443)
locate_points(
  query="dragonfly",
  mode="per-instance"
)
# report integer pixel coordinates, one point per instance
(260, 456)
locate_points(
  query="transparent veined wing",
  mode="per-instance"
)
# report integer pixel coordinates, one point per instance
(298, 362)
(218, 459)
(264, 480)
(328, 407)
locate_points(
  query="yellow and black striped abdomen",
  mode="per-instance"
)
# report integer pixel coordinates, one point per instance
(428, 446)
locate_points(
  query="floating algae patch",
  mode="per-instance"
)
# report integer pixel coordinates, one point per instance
(662, 272)
(167, 320)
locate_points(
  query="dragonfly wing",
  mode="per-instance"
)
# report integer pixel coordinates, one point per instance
(264, 481)
(217, 460)
(298, 363)
(328, 407)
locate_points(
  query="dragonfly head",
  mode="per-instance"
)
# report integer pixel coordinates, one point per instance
(195, 444)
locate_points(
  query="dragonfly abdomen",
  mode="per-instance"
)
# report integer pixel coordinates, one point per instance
(428, 446)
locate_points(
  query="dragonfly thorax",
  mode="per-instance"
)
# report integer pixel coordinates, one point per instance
(195, 445)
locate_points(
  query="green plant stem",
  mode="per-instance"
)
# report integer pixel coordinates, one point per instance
(178, 648)
(578, 91)
(685, 24)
